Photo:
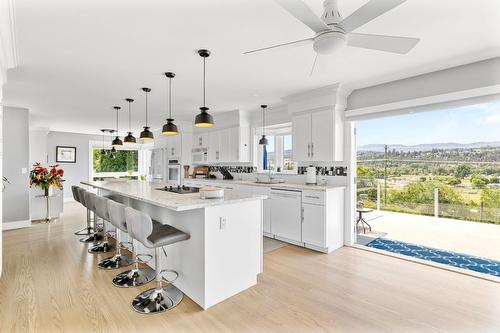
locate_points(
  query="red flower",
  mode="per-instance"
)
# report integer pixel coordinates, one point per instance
(60, 172)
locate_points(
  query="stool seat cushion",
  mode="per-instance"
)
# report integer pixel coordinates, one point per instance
(164, 234)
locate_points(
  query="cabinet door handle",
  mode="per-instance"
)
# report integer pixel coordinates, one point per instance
(302, 214)
(308, 150)
(312, 149)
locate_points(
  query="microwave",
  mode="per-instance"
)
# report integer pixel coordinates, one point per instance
(200, 155)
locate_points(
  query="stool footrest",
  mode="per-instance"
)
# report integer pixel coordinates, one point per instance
(139, 257)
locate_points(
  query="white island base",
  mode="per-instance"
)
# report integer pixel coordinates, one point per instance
(224, 253)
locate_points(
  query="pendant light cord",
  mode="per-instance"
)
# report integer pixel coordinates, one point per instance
(263, 122)
(129, 116)
(170, 98)
(146, 108)
(204, 60)
(116, 122)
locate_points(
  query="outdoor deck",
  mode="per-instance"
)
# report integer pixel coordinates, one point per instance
(473, 238)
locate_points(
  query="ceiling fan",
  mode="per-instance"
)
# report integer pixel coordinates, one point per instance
(332, 31)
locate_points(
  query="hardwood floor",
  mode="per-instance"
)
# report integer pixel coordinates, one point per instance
(51, 284)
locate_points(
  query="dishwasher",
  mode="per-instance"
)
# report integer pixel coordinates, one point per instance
(286, 214)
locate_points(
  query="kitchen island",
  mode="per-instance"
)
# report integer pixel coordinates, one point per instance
(224, 253)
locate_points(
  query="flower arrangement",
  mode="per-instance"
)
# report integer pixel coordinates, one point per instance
(44, 178)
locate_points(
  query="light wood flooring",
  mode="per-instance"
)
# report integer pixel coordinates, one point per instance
(51, 284)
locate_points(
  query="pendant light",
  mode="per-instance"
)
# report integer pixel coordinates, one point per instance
(170, 128)
(112, 153)
(263, 140)
(204, 119)
(146, 134)
(117, 141)
(103, 151)
(129, 138)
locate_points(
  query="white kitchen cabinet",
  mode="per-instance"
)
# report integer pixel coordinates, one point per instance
(266, 204)
(301, 137)
(174, 146)
(214, 147)
(322, 139)
(315, 138)
(313, 224)
(286, 223)
(200, 140)
(226, 145)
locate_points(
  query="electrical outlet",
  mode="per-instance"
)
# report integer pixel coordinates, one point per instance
(222, 222)
(24, 171)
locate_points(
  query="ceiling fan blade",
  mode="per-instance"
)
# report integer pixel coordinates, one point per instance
(368, 12)
(314, 65)
(304, 14)
(392, 44)
(295, 43)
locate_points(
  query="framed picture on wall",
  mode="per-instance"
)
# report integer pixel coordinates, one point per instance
(65, 154)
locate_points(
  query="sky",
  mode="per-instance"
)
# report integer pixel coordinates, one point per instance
(467, 124)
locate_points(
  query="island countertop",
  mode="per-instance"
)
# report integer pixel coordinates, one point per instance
(148, 192)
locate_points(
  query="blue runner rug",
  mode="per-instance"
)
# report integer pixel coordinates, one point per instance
(454, 259)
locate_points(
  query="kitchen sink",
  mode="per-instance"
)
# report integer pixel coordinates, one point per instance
(272, 181)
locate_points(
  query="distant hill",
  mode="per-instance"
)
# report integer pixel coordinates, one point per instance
(376, 147)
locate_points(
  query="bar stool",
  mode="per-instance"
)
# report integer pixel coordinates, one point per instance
(116, 213)
(84, 196)
(87, 231)
(135, 276)
(155, 235)
(100, 208)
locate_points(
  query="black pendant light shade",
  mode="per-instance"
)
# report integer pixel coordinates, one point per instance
(204, 119)
(170, 128)
(146, 134)
(263, 140)
(129, 138)
(117, 141)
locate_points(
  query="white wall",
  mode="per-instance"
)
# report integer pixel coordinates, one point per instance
(16, 166)
(38, 145)
(74, 173)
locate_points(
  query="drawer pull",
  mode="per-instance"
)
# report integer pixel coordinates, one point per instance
(312, 197)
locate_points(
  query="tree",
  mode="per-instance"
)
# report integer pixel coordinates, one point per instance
(478, 180)
(490, 197)
(423, 193)
(463, 170)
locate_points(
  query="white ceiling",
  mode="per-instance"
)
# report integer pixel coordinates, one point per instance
(79, 58)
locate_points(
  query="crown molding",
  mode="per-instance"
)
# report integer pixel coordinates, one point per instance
(8, 40)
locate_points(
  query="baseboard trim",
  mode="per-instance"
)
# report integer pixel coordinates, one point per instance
(16, 225)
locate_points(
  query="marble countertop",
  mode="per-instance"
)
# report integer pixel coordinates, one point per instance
(275, 185)
(147, 192)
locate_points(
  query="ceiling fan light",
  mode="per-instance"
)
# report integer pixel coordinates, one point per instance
(204, 119)
(170, 128)
(129, 138)
(263, 141)
(146, 134)
(117, 142)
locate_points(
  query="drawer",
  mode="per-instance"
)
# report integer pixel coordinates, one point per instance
(313, 197)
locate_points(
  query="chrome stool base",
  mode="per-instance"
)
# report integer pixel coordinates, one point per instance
(92, 238)
(157, 300)
(84, 232)
(101, 248)
(116, 261)
(134, 277)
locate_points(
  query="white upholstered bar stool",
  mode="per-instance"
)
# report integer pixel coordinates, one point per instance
(155, 235)
(87, 231)
(116, 214)
(101, 210)
(85, 200)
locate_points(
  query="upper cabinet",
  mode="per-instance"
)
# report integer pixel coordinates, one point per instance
(225, 145)
(315, 137)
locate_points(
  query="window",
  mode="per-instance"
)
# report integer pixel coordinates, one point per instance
(288, 163)
(277, 155)
(271, 153)
(123, 163)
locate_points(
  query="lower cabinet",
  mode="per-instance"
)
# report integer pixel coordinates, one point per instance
(313, 225)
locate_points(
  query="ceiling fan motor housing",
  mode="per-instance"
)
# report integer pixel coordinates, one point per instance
(329, 42)
(331, 14)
